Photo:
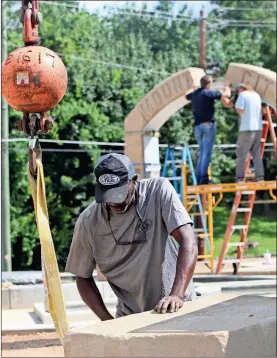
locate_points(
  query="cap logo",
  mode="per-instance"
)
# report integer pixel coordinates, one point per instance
(109, 179)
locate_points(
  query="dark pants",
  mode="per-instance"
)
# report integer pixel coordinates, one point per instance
(249, 142)
(205, 136)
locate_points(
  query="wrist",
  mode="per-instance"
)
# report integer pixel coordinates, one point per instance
(106, 317)
(177, 294)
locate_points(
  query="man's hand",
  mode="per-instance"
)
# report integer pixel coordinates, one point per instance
(169, 304)
(226, 102)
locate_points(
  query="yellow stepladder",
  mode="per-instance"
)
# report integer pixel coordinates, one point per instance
(192, 201)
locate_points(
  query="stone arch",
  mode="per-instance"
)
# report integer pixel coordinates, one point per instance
(261, 79)
(144, 121)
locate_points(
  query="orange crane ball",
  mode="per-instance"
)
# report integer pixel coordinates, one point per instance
(34, 79)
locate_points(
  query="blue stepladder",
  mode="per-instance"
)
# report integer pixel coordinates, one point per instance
(170, 159)
(176, 163)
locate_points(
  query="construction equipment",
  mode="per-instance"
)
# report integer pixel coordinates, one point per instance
(175, 166)
(54, 299)
(250, 192)
(34, 80)
(180, 167)
(233, 187)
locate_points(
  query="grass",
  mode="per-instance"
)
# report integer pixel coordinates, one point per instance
(262, 229)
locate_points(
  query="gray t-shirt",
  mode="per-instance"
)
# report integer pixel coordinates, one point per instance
(139, 274)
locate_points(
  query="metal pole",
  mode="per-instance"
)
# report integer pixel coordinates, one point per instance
(5, 175)
(202, 57)
(202, 63)
(211, 229)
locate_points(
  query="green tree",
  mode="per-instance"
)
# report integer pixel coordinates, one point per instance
(260, 42)
(100, 95)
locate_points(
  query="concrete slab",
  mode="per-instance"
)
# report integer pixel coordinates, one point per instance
(24, 296)
(5, 299)
(18, 319)
(208, 288)
(31, 277)
(76, 312)
(20, 322)
(228, 278)
(239, 327)
(253, 284)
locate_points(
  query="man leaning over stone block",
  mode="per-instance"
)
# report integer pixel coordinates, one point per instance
(128, 232)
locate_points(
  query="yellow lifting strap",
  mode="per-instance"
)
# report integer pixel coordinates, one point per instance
(52, 277)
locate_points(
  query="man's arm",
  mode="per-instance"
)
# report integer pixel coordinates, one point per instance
(227, 90)
(226, 102)
(240, 104)
(189, 93)
(186, 262)
(81, 263)
(91, 296)
(178, 224)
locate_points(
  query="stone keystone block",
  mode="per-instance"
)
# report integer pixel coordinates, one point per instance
(240, 327)
(261, 79)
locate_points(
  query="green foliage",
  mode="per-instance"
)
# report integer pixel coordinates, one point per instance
(254, 45)
(99, 97)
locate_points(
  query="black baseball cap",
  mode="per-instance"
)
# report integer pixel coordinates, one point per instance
(114, 173)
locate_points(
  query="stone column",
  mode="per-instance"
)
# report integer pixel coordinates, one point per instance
(152, 166)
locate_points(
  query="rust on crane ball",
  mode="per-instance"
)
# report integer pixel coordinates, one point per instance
(34, 79)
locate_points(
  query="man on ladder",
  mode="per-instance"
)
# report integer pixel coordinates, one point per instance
(202, 100)
(249, 107)
(248, 104)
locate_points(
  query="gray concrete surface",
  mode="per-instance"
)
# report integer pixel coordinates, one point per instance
(227, 278)
(240, 327)
(76, 312)
(27, 286)
(31, 277)
(5, 298)
(25, 296)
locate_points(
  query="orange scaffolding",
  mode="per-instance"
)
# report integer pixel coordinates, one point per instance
(248, 188)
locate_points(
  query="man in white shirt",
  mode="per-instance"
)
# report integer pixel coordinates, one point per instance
(248, 105)
(249, 108)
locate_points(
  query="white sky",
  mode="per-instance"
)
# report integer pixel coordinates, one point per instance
(194, 5)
